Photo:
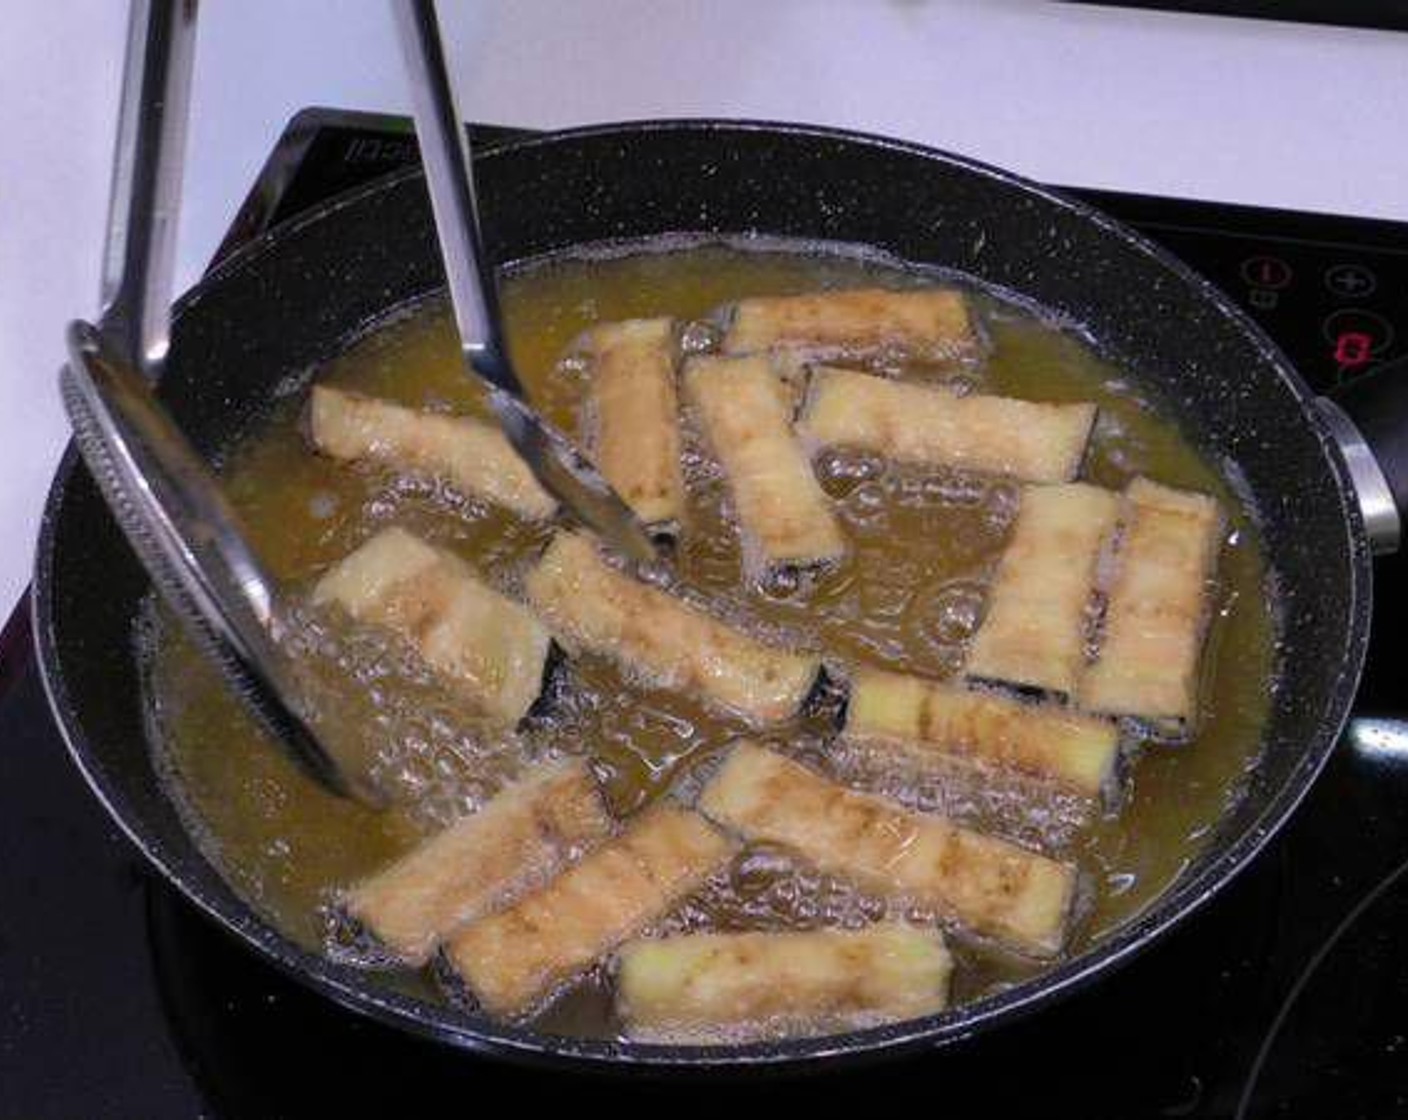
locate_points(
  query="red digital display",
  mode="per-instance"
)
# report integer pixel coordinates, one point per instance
(1266, 272)
(1353, 349)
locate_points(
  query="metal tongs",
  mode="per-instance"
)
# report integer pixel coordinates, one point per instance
(163, 493)
(563, 470)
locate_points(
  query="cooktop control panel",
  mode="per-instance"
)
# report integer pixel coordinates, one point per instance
(1332, 292)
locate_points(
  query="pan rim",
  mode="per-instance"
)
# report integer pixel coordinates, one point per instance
(350, 988)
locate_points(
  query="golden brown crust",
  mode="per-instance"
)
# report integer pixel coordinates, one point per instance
(1029, 440)
(527, 832)
(1148, 663)
(635, 412)
(746, 414)
(990, 885)
(921, 718)
(928, 323)
(587, 603)
(793, 982)
(489, 649)
(472, 455)
(1034, 631)
(514, 959)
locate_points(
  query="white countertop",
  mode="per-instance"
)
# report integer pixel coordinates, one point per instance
(1276, 114)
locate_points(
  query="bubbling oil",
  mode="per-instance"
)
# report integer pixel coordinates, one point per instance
(909, 596)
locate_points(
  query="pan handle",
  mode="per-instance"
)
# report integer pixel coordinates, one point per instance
(1368, 418)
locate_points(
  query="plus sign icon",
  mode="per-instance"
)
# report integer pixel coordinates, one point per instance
(1350, 281)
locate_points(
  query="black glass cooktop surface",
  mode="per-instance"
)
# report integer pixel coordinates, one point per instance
(1287, 997)
(1383, 15)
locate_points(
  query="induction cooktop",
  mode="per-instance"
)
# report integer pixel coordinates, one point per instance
(1286, 997)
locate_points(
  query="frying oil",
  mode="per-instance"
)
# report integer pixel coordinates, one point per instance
(909, 597)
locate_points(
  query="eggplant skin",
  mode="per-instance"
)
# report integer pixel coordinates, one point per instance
(487, 648)
(1031, 441)
(928, 324)
(991, 886)
(471, 455)
(1158, 609)
(633, 408)
(765, 983)
(1034, 632)
(528, 831)
(922, 719)
(514, 960)
(745, 411)
(588, 604)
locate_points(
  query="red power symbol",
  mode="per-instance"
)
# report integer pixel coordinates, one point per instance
(1353, 349)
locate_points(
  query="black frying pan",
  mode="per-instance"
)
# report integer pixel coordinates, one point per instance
(292, 297)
